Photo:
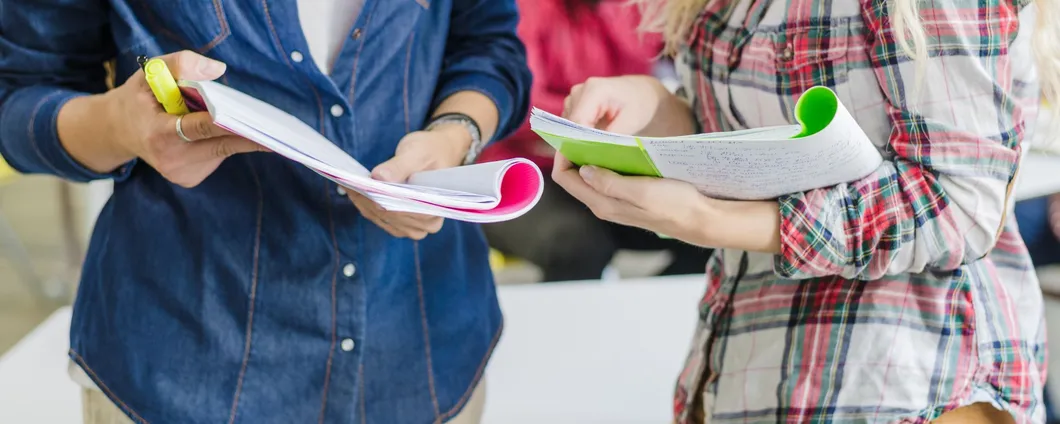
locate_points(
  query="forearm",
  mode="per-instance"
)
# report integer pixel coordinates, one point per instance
(753, 226)
(86, 137)
(475, 105)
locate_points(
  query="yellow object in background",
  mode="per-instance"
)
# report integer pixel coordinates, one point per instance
(7, 173)
(496, 260)
(165, 87)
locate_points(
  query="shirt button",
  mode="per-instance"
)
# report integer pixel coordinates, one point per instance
(348, 270)
(356, 33)
(336, 110)
(296, 57)
(347, 345)
(789, 52)
(341, 191)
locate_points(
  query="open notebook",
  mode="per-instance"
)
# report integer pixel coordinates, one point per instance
(828, 148)
(487, 192)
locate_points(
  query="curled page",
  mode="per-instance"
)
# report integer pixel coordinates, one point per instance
(825, 149)
(488, 192)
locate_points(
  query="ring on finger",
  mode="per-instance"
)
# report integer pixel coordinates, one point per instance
(180, 131)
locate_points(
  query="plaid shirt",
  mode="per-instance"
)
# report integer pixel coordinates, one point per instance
(899, 296)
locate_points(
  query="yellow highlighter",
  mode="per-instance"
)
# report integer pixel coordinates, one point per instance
(164, 86)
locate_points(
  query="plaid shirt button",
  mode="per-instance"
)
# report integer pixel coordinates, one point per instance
(789, 53)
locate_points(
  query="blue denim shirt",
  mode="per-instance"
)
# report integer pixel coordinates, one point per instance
(236, 300)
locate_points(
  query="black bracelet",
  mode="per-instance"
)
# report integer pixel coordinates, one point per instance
(450, 115)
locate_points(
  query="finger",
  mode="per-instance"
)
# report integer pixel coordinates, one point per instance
(196, 126)
(373, 212)
(367, 207)
(575, 93)
(396, 226)
(610, 184)
(618, 124)
(602, 206)
(219, 148)
(400, 167)
(588, 107)
(414, 222)
(193, 66)
(560, 164)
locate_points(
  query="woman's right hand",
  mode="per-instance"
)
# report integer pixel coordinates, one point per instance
(632, 104)
(105, 131)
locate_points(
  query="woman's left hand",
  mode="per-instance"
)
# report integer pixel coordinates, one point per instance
(668, 207)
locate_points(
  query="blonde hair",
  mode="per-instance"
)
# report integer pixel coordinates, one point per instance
(675, 18)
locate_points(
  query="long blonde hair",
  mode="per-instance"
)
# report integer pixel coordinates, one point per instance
(675, 18)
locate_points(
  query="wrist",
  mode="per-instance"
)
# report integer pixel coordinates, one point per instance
(86, 130)
(744, 225)
(456, 142)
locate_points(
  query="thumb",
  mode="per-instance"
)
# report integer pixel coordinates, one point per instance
(193, 66)
(398, 168)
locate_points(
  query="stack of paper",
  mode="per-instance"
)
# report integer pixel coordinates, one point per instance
(488, 192)
(828, 148)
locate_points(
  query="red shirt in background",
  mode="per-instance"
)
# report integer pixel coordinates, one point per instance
(565, 49)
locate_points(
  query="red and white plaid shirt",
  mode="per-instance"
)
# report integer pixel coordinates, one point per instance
(907, 293)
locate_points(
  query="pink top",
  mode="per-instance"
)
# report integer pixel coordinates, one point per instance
(564, 50)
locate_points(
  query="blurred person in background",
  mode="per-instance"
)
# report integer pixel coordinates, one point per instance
(227, 284)
(567, 42)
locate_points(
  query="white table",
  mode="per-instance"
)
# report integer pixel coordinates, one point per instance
(1039, 176)
(571, 353)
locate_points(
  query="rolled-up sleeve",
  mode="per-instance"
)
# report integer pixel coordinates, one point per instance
(51, 51)
(484, 54)
(942, 201)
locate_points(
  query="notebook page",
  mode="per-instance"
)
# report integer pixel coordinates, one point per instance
(754, 170)
(482, 178)
(280, 126)
(555, 125)
(290, 137)
(552, 124)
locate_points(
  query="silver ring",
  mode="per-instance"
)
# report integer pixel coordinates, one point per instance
(180, 132)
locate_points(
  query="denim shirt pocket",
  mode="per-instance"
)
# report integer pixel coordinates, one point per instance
(198, 25)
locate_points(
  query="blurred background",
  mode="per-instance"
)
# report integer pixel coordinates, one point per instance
(44, 228)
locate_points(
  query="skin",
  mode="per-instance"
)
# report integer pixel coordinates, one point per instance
(105, 131)
(641, 105)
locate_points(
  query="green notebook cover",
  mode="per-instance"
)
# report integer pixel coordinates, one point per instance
(814, 111)
(627, 160)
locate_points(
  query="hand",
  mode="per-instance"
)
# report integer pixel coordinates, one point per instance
(139, 126)
(634, 104)
(440, 148)
(669, 207)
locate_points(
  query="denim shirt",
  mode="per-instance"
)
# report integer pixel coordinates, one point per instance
(262, 295)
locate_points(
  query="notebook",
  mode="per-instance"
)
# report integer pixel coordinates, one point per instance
(826, 148)
(486, 192)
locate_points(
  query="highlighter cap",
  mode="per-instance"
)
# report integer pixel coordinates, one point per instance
(164, 86)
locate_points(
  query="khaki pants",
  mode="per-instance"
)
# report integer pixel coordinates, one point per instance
(98, 409)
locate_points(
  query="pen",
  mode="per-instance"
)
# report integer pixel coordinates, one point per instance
(163, 85)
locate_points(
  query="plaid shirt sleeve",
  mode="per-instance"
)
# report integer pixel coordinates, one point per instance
(941, 201)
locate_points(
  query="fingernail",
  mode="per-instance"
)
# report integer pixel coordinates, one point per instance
(210, 66)
(587, 172)
(383, 174)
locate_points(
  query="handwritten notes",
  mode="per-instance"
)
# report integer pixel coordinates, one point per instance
(748, 164)
(767, 167)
